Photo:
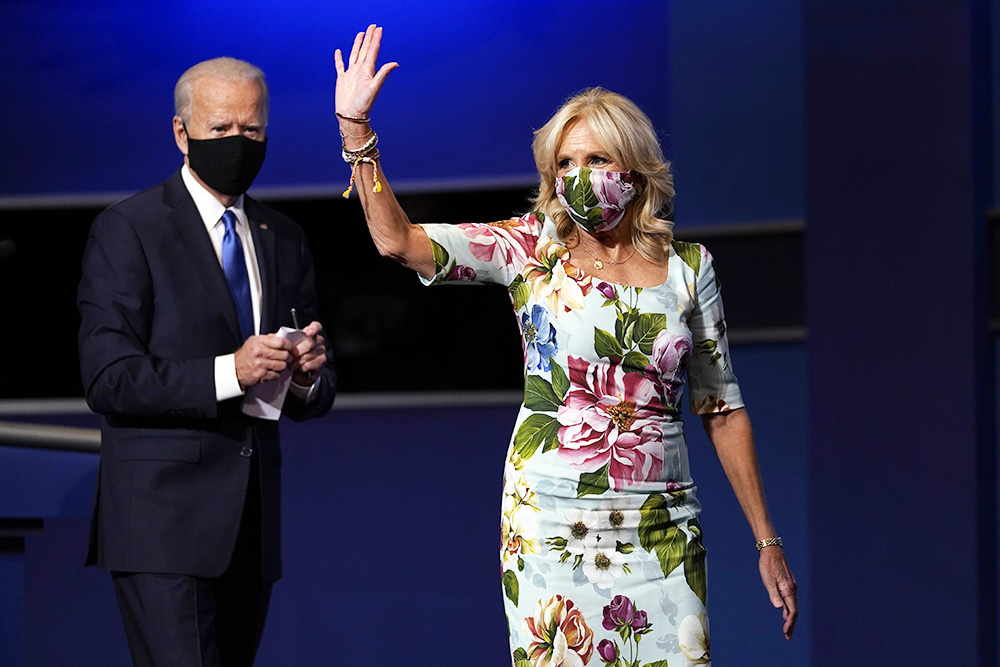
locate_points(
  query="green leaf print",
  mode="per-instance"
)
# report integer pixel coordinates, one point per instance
(660, 535)
(539, 395)
(635, 362)
(583, 203)
(694, 563)
(709, 346)
(606, 345)
(535, 431)
(560, 381)
(670, 552)
(521, 658)
(658, 663)
(594, 483)
(625, 548)
(623, 330)
(690, 253)
(511, 587)
(647, 329)
(653, 517)
(441, 256)
(520, 292)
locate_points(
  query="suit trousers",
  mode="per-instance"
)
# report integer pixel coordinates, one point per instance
(175, 620)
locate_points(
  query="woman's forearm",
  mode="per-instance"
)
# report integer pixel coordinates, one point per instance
(732, 436)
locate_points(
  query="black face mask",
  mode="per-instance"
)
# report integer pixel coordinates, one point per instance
(227, 164)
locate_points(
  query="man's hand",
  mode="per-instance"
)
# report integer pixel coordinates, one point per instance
(309, 355)
(262, 358)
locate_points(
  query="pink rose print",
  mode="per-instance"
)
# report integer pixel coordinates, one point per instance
(671, 355)
(612, 416)
(505, 242)
(614, 190)
(462, 273)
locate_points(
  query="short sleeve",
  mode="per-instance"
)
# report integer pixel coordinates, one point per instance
(492, 253)
(713, 384)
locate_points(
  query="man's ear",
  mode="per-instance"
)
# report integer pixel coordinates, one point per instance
(180, 135)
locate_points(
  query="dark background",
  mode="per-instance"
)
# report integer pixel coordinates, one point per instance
(389, 332)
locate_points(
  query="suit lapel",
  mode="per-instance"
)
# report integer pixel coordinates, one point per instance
(190, 230)
(263, 242)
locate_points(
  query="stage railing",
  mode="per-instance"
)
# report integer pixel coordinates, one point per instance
(44, 436)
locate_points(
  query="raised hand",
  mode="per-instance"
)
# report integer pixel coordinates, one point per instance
(359, 84)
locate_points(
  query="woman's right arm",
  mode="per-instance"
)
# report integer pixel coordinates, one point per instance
(357, 87)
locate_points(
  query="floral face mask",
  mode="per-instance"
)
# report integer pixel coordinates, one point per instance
(595, 199)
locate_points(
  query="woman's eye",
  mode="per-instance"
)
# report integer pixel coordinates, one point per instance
(563, 164)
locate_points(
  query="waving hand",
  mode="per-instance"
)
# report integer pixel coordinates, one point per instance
(359, 84)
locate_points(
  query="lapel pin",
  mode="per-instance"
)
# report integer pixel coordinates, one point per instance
(263, 225)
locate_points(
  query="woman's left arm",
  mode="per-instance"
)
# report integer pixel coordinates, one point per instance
(732, 437)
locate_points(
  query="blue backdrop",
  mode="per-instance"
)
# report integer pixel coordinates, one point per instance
(89, 86)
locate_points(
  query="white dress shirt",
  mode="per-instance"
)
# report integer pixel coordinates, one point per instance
(227, 385)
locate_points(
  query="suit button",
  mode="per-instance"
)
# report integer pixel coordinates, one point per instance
(246, 452)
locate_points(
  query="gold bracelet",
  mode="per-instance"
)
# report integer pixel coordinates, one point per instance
(769, 542)
(356, 119)
(356, 136)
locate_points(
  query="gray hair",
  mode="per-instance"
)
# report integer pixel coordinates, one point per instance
(225, 68)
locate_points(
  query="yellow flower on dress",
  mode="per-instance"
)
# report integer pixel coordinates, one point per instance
(518, 527)
(554, 282)
(515, 484)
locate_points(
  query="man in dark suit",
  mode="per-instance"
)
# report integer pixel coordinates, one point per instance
(184, 286)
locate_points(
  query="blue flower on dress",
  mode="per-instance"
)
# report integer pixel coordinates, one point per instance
(539, 338)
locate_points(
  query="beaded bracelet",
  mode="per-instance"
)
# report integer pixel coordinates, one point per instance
(769, 542)
(368, 154)
(351, 153)
(372, 159)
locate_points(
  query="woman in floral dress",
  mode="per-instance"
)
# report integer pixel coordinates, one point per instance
(601, 549)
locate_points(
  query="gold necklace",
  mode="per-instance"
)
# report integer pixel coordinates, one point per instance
(599, 263)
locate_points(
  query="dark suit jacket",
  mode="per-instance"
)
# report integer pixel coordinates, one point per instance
(156, 311)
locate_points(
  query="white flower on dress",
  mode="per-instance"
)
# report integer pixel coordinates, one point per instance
(518, 527)
(579, 528)
(692, 635)
(616, 521)
(602, 565)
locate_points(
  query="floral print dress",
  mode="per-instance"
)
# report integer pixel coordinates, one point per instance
(601, 550)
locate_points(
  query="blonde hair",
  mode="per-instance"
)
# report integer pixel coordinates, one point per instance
(627, 135)
(225, 68)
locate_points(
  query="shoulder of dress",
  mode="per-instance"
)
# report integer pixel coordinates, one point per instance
(694, 256)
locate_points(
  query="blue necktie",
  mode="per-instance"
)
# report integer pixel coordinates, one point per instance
(235, 268)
